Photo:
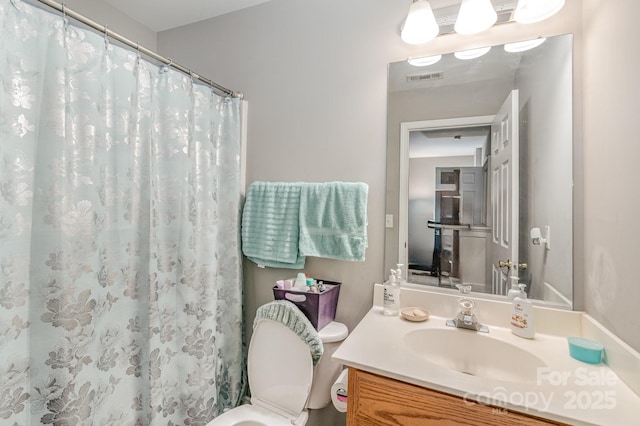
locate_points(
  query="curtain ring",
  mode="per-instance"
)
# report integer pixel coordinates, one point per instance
(106, 36)
(193, 76)
(138, 50)
(64, 15)
(166, 67)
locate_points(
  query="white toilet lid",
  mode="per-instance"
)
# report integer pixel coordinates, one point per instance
(280, 369)
(333, 332)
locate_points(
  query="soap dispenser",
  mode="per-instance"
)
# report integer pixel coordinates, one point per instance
(514, 291)
(522, 320)
(401, 281)
(391, 301)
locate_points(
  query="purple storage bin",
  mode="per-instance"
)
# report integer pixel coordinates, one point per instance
(320, 308)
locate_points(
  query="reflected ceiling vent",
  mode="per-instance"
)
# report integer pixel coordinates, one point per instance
(425, 77)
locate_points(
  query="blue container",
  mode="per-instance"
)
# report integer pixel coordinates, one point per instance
(585, 350)
(320, 308)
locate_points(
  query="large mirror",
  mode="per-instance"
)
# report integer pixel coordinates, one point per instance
(479, 172)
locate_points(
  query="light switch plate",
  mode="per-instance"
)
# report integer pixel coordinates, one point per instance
(388, 222)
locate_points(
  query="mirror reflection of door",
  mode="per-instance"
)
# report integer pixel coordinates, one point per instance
(447, 205)
(503, 254)
(463, 203)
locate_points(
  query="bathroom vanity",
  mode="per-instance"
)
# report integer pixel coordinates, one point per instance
(420, 373)
(379, 400)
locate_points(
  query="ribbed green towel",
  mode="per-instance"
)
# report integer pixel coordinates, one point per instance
(333, 220)
(288, 314)
(270, 225)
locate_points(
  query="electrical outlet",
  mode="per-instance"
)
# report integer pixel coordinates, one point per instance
(388, 222)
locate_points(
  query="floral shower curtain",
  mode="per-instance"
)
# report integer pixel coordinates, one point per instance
(120, 279)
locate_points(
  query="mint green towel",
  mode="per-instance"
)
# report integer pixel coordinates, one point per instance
(270, 225)
(333, 220)
(288, 314)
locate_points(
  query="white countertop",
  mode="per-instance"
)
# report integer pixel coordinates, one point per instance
(588, 394)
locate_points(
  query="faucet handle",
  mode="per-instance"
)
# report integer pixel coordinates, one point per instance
(466, 305)
(464, 288)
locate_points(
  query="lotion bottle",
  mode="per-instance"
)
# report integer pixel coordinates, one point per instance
(301, 282)
(522, 320)
(391, 302)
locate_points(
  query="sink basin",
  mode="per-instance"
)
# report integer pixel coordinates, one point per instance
(477, 354)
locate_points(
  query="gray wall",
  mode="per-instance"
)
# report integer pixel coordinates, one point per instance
(611, 155)
(314, 74)
(545, 126)
(105, 14)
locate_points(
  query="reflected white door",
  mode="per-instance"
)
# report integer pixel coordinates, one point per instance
(504, 194)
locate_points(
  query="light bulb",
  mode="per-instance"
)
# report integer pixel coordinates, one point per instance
(475, 16)
(472, 53)
(424, 61)
(530, 11)
(420, 25)
(521, 46)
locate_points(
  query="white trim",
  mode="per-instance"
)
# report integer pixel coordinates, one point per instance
(405, 130)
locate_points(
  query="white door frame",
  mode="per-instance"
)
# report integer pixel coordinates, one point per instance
(405, 129)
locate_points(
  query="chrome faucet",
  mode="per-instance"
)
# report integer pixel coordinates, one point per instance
(466, 318)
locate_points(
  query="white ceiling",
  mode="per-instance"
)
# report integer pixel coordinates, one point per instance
(160, 15)
(443, 142)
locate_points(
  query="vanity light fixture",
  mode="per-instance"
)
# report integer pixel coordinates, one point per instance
(521, 46)
(424, 61)
(475, 16)
(423, 23)
(472, 53)
(420, 25)
(530, 11)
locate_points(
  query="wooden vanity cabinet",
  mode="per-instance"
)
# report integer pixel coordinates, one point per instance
(379, 401)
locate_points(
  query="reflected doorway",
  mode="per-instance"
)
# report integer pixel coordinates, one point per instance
(447, 175)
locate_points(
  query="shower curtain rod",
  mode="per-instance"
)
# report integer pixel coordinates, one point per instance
(60, 7)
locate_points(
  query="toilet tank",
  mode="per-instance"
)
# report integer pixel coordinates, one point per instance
(327, 370)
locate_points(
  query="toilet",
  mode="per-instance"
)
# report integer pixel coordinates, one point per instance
(283, 382)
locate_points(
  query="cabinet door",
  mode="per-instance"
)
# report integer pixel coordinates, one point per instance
(380, 401)
(472, 195)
